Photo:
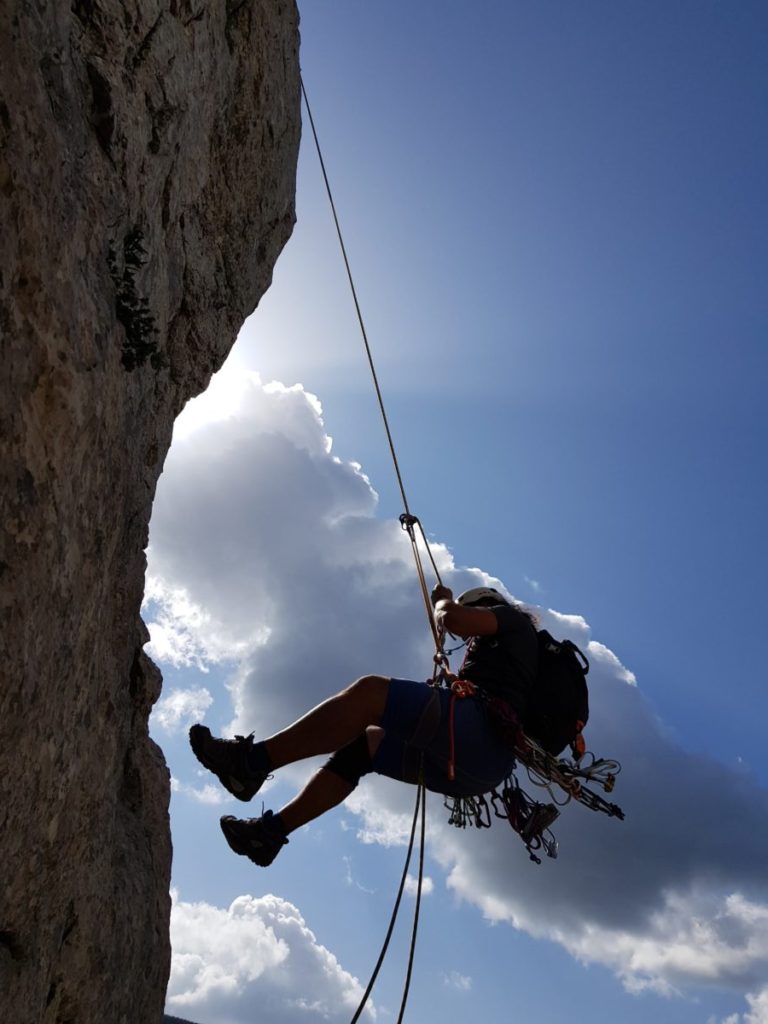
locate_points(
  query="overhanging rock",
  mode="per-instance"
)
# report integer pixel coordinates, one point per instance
(147, 178)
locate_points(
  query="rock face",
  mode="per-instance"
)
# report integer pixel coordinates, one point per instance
(147, 176)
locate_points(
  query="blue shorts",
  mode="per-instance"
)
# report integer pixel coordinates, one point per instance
(415, 722)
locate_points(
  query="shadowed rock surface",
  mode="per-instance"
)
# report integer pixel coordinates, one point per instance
(147, 178)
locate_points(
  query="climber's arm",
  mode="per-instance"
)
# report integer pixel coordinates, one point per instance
(459, 620)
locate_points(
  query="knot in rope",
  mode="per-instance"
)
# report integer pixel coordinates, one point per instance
(408, 521)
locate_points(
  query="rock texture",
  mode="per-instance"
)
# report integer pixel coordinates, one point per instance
(147, 175)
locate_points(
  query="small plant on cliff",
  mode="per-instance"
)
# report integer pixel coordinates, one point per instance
(131, 308)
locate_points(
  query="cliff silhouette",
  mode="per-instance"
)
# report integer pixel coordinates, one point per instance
(128, 261)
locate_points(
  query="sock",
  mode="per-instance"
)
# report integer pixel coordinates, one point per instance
(258, 758)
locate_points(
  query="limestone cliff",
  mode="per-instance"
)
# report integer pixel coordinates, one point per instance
(147, 175)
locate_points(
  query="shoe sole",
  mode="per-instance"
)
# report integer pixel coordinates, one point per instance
(198, 735)
(245, 847)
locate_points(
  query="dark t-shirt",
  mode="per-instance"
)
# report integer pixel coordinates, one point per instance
(504, 665)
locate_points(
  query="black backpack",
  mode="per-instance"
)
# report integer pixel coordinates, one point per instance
(558, 705)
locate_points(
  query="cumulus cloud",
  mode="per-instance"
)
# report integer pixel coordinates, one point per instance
(758, 1008)
(178, 709)
(412, 884)
(256, 959)
(206, 794)
(275, 545)
(381, 822)
(756, 1014)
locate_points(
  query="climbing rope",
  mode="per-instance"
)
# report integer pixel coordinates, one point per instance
(530, 819)
(391, 442)
(420, 802)
(409, 522)
(419, 886)
(407, 519)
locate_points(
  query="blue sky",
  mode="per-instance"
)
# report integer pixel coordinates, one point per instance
(556, 216)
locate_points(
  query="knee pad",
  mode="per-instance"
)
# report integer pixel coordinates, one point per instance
(352, 761)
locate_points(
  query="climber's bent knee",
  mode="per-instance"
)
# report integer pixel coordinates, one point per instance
(372, 692)
(351, 762)
(374, 734)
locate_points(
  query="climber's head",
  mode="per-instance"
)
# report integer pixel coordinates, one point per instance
(478, 597)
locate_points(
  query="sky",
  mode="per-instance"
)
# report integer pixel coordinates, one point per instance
(556, 218)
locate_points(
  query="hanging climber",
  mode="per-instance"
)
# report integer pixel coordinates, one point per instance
(394, 727)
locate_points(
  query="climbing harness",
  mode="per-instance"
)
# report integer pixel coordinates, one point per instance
(460, 688)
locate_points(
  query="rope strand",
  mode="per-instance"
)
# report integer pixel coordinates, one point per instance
(412, 951)
(408, 521)
(393, 918)
(354, 297)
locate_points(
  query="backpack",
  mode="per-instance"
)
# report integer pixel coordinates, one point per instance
(557, 708)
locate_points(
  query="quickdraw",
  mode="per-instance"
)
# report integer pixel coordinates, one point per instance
(530, 818)
(470, 810)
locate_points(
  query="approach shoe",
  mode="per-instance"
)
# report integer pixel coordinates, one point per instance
(258, 839)
(228, 760)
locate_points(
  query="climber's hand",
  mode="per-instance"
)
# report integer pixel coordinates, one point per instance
(441, 593)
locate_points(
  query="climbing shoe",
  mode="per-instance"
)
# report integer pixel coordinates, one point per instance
(258, 839)
(228, 760)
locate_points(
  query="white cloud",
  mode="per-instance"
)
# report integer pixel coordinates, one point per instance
(184, 634)
(698, 937)
(758, 1007)
(178, 709)
(257, 959)
(381, 824)
(599, 652)
(206, 794)
(351, 880)
(412, 884)
(275, 546)
(460, 982)
(756, 1014)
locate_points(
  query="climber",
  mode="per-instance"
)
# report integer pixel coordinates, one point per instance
(394, 727)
